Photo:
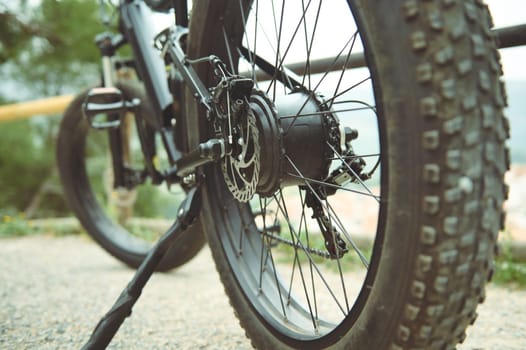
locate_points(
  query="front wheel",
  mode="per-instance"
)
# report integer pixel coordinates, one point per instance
(378, 190)
(126, 222)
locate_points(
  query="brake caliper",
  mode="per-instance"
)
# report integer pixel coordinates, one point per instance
(236, 123)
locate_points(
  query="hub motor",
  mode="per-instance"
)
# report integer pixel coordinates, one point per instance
(308, 128)
(281, 144)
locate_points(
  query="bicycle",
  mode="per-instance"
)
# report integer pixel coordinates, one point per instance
(276, 140)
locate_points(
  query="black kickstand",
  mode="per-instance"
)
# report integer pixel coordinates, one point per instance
(110, 323)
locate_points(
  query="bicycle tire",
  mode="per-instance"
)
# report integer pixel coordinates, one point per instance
(91, 210)
(435, 74)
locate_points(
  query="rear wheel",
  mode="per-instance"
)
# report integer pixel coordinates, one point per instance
(125, 222)
(377, 239)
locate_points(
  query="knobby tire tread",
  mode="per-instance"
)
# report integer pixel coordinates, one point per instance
(456, 53)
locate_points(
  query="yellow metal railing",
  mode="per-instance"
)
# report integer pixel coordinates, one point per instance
(45, 106)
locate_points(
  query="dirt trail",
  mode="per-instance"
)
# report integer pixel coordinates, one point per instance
(54, 290)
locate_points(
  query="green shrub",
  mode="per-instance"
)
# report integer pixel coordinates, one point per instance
(508, 269)
(13, 225)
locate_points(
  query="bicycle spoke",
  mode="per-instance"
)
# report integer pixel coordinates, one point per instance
(278, 284)
(338, 187)
(309, 46)
(348, 89)
(313, 91)
(318, 271)
(356, 156)
(278, 53)
(347, 60)
(251, 58)
(262, 259)
(324, 112)
(329, 209)
(353, 172)
(296, 260)
(255, 42)
(302, 20)
(340, 271)
(311, 270)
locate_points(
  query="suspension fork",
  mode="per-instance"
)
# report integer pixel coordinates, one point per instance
(136, 28)
(116, 124)
(108, 43)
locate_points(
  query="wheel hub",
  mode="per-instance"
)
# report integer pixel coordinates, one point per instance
(272, 145)
(308, 129)
(294, 137)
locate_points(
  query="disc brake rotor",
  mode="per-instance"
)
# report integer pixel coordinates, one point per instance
(241, 166)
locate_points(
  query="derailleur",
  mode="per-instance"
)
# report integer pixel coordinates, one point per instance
(351, 170)
(333, 241)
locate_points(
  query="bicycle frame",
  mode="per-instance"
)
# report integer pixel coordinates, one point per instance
(136, 30)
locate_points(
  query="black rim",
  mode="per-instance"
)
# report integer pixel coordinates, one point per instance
(275, 249)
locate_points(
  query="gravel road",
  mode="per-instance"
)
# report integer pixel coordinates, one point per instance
(54, 290)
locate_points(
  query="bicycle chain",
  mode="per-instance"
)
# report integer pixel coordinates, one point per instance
(309, 250)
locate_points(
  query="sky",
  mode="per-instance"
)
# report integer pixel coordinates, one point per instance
(507, 13)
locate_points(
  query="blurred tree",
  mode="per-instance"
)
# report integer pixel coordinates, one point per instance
(24, 163)
(46, 48)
